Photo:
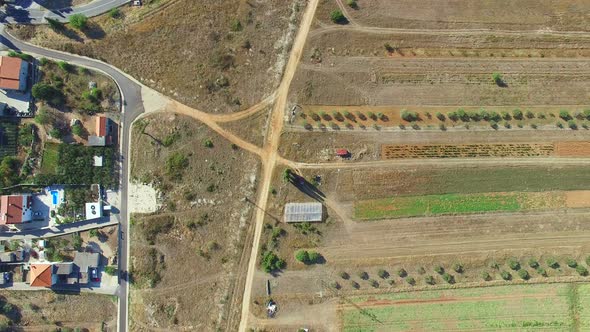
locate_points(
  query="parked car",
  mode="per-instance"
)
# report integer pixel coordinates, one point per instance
(94, 275)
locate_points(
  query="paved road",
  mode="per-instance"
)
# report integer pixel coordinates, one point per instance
(16, 14)
(132, 108)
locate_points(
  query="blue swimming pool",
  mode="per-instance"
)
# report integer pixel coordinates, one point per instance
(54, 195)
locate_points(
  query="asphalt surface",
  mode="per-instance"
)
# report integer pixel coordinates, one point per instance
(25, 15)
(132, 108)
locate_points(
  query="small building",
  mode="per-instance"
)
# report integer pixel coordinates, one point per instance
(85, 261)
(98, 161)
(304, 212)
(93, 210)
(41, 275)
(7, 257)
(97, 141)
(15, 209)
(67, 273)
(13, 73)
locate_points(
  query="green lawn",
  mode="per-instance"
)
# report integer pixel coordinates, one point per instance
(505, 308)
(50, 158)
(413, 206)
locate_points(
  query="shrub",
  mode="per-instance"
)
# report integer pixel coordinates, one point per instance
(115, 13)
(583, 271)
(55, 25)
(462, 115)
(458, 267)
(344, 275)
(382, 274)
(429, 280)
(236, 25)
(541, 271)
(552, 263)
(93, 232)
(517, 114)
(374, 283)
(363, 275)
(411, 280)
(110, 270)
(588, 260)
(529, 114)
(565, 115)
(571, 262)
(79, 21)
(42, 117)
(440, 116)
(448, 278)
(64, 66)
(524, 274)
(497, 78)
(421, 270)
(176, 164)
(439, 269)
(77, 129)
(533, 263)
(354, 284)
(559, 125)
(453, 116)
(513, 264)
(486, 276)
(338, 17)
(402, 273)
(302, 256)
(506, 275)
(352, 4)
(389, 48)
(314, 257)
(572, 124)
(271, 262)
(208, 143)
(409, 116)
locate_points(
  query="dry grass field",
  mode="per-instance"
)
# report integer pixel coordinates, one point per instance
(218, 56)
(185, 256)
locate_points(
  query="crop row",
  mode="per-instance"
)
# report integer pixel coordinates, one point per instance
(466, 151)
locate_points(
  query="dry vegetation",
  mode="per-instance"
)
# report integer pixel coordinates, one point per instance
(185, 257)
(216, 56)
(47, 311)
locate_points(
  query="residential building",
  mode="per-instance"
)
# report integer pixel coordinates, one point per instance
(304, 212)
(103, 129)
(86, 261)
(93, 210)
(13, 73)
(41, 275)
(15, 209)
(67, 273)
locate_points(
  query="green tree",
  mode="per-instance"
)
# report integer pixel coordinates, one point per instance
(552, 263)
(458, 267)
(382, 274)
(517, 114)
(115, 13)
(582, 270)
(506, 275)
(571, 262)
(110, 270)
(352, 4)
(411, 281)
(77, 129)
(77, 241)
(429, 280)
(439, 269)
(565, 115)
(402, 273)
(533, 263)
(65, 66)
(486, 276)
(56, 133)
(302, 256)
(524, 274)
(409, 116)
(208, 143)
(513, 264)
(79, 21)
(497, 78)
(338, 17)
(48, 93)
(93, 232)
(287, 174)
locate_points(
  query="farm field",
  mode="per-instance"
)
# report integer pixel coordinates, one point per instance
(503, 308)
(413, 206)
(531, 15)
(8, 138)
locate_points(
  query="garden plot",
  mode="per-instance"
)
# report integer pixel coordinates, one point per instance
(466, 151)
(505, 308)
(429, 205)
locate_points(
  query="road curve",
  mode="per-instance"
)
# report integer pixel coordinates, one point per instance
(20, 15)
(132, 106)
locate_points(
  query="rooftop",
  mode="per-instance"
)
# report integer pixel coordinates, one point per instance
(15, 209)
(10, 69)
(85, 260)
(41, 275)
(303, 212)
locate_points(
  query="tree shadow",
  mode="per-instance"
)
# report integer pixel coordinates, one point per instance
(94, 31)
(306, 187)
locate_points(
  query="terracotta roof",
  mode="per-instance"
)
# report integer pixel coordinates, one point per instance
(41, 275)
(101, 126)
(10, 72)
(342, 152)
(11, 208)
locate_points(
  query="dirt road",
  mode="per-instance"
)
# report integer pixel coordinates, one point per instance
(270, 155)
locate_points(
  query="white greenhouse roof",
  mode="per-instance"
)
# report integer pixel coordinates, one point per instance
(303, 212)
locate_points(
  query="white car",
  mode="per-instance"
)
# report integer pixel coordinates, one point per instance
(137, 2)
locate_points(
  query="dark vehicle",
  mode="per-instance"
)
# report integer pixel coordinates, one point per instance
(94, 275)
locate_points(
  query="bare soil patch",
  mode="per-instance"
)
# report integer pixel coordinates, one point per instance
(578, 199)
(565, 15)
(572, 149)
(185, 255)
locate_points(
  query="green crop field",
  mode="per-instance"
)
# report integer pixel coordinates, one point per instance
(584, 306)
(8, 138)
(502, 308)
(50, 157)
(413, 206)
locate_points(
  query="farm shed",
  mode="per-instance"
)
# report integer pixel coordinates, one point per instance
(304, 212)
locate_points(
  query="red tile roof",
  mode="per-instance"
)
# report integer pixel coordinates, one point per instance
(11, 208)
(10, 72)
(342, 152)
(41, 275)
(101, 126)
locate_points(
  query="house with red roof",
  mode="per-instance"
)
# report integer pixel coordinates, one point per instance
(13, 73)
(41, 275)
(15, 209)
